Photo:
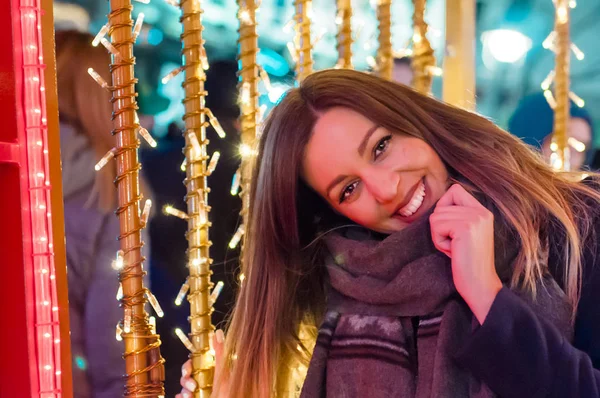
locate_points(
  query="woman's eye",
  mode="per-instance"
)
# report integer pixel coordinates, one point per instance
(348, 191)
(381, 146)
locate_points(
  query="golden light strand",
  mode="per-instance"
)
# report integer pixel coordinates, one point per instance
(385, 57)
(195, 151)
(143, 363)
(423, 59)
(302, 41)
(560, 155)
(344, 34)
(249, 118)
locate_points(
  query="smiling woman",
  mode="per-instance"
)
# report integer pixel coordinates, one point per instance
(396, 222)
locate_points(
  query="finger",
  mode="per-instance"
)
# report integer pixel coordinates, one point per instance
(456, 195)
(186, 369)
(187, 383)
(441, 235)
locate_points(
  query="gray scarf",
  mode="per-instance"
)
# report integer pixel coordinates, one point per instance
(394, 320)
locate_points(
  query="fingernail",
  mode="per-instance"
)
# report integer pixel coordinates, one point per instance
(220, 336)
(186, 394)
(190, 385)
(184, 371)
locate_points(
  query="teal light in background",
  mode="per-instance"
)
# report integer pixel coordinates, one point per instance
(80, 362)
(273, 63)
(155, 37)
(171, 90)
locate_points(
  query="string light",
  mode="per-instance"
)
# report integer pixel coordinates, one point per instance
(293, 52)
(288, 26)
(235, 183)
(171, 211)
(100, 35)
(117, 264)
(562, 15)
(172, 74)
(576, 99)
(183, 165)
(184, 339)
(105, 159)
(204, 61)
(548, 42)
(212, 165)
(235, 240)
(195, 144)
(154, 303)
(578, 53)
(214, 295)
(127, 320)
(550, 98)
(182, 292)
(146, 212)
(120, 292)
(246, 151)
(118, 333)
(245, 17)
(215, 123)
(371, 62)
(548, 80)
(435, 70)
(112, 49)
(146, 136)
(576, 144)
(138, 24)
(152, 323)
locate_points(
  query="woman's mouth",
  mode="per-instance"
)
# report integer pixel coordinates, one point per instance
(415, 202)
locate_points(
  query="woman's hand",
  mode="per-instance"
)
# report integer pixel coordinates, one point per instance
(188, 384)
(463, 229)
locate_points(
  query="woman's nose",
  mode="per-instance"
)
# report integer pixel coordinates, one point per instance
(383, 185)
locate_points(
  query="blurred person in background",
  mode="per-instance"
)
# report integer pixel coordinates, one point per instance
(402, 71)
(91, 227)
(533, 122)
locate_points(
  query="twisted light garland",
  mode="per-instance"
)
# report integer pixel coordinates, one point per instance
(385, 57)
(143, 363)
(302, 40)
(195, 151)
(423, 59)
(344, 34)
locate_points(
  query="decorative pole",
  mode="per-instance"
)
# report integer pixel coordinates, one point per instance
(560, 147)
(385, 57)
(459, 57)
(143, 364)
(423, 59)
(302, 44)
(199, 261)
(249, 75)
(344, 35)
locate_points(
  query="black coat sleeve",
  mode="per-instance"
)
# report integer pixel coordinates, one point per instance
(519, 355)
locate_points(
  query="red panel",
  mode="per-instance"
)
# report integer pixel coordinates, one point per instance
(9, 152)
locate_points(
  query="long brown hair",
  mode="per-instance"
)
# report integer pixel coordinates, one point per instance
(282, 293)
(86, 106)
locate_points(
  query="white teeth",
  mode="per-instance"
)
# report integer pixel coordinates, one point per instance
(415, 202)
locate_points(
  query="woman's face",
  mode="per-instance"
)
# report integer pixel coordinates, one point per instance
(381, 180)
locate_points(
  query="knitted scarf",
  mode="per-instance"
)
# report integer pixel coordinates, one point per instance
(394, 320)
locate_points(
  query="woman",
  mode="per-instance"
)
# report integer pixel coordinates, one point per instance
(438, 254)
(91, 227)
